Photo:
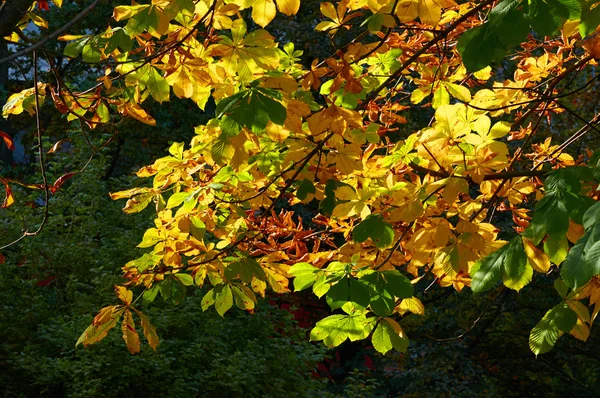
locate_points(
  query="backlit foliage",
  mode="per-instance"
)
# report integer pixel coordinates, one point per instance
(391, 210)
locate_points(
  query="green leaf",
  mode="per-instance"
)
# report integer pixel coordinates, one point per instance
(557, 248)
(335, 329)
(208, 299)
(543, 336)
(556, 321)
(321, 286)
(385, 287)
(74, 48)
(223, 299)
(241, 298)
(157, 85)
(509, 263)
(253, 108)
(388, 335)
(583, 260)
(489, 42)
(245, 268)
(591, 216)
(589, 22)
(91, 52)
(177, 198)
(304, 275)
(338, 294)
(488, 271)
(197, 227)
(306, 187)
(150, 294)
(186, 279)
(377, 229)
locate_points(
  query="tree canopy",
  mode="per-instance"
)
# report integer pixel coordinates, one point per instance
(433, 146)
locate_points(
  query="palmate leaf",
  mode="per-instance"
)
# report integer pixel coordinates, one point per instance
(377, 229)
(253, 108)
(335, 329)
(386, 287)
(509, 263)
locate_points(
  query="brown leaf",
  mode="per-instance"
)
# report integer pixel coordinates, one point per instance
(60, 181)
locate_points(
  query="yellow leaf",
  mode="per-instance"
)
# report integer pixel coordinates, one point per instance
(428, 11)
(538, 260)
(149, 330)
(263, 12)
(328, 10)
(182, 83)
(39, 21)
(131, 337)
(124, 294)
(124, 12)
(70, 37)
(580, 331)
(413, 305)
(288, 7)
(574, 232)
(129, 193)
(106, 319)
(276, 132)
(453, 187)
(136, 112)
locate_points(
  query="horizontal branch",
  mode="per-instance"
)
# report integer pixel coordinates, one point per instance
(506, 175)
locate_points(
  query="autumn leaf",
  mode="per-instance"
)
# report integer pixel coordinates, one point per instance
(106, 319)
(131, 337)
(124, 294)
(7, 140)
(9, 199)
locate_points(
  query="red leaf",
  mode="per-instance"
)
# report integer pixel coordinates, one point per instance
(7, 140)
(43, 5)
(61, 180)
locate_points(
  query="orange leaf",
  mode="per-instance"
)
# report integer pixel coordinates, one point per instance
(7, 140)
